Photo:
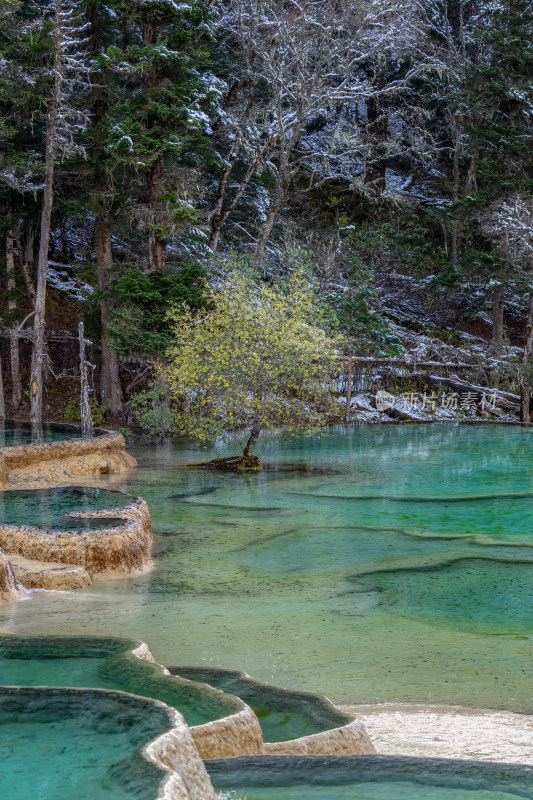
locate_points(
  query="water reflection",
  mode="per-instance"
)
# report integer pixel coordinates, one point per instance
(338, 581)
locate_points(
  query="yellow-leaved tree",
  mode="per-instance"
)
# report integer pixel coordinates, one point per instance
(257, 359)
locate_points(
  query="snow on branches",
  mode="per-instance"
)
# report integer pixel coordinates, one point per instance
(309, 72)
(509, 223)
(70, 73)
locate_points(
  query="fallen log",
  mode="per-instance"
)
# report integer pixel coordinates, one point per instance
(500, 399)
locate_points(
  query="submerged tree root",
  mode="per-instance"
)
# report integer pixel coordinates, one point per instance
(228, 463)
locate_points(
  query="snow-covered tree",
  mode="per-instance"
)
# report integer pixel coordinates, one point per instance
(509, 223)
(152, 94)
(308, 85)
(66, 120)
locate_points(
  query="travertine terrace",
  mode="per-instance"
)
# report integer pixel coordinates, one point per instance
(10, 588)
(39, 464)
(70, 559)
(38, 558)
(240, 734)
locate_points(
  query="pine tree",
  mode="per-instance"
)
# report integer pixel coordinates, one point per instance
(496, 99)
(161, 92)
(151, 89)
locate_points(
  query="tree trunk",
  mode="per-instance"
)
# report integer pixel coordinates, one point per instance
(454, 250)
(219, 217)
(39, 320)
(16, 393)
(110, 388)
(455, 196)
(252, 440)
(2, 400)
(497, 320)
(525, 400)
(25, 251)
(216, 227)
(525, 393)
(470, 181)
(157, 243)
(272, 213)
(462, 30)
(85, 405)
(156, 240)
(349, 379)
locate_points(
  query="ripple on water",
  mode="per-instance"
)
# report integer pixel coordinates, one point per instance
(57, 744)
(46, 508)
(363, 596)
(368, 778)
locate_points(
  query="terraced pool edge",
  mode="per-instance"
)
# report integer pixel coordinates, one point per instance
(21, 465)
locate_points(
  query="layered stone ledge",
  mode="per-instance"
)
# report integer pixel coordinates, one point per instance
(235, 735)
(351, 739)
(168, 766)
(232, 735)
(42, 464)
(176, 751)
(71, 559)
(240, 734)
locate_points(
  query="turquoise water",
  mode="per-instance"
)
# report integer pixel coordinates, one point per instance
(283, 714)
(109, 664)
(366, 778)
(85, 745)
(14, 433)
(365, 791)
(46, 508)
(105, 664)
(397, 570)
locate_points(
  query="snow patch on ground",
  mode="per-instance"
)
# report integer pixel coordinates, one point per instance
(61, 278)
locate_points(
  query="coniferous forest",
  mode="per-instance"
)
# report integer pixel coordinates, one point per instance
(151, 151)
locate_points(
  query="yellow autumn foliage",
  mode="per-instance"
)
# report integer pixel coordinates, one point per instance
(257, 357)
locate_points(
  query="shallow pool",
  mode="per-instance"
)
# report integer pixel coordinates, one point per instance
(381, 790)
(399, 569)
(283, 714)
(47, 508)
(367, 778)
(77, 661)
(57, 745)
(15, 433)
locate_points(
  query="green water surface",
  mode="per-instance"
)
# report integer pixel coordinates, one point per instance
(15, 433)
(57, 745)
(366, 778)
(399, 569)
(96, 663)
(365, 791)
(283, 714)
(47, 508)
